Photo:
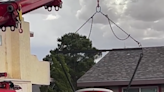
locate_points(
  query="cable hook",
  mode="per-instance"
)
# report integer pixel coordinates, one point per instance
(98, 3)
(98, 8)
(20, 30)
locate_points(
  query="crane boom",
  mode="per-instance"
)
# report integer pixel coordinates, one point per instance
(11, 11)
(30, 5)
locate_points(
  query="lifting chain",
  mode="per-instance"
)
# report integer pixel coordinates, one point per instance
(20, 29)
(20, 19)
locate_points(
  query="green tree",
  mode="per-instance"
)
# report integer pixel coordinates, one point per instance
(78, 63)
(60, 83)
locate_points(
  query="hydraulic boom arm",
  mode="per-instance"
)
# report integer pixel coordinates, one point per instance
(11, 11)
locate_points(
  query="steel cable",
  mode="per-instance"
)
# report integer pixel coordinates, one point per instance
(90, 27)
(85, 22)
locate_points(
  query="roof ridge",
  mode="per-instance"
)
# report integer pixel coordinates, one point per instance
(135, 48)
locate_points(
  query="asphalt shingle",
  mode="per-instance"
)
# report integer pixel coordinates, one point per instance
(119, 65)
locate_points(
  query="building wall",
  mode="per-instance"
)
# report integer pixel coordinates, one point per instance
(17, 61)
(25, 85)
(119, 88)
(162, 88)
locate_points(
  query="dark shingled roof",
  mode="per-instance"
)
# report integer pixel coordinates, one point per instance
(35, 88)
(119, 65)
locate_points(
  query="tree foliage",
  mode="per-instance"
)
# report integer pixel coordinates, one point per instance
(60, 83)
(76, 64)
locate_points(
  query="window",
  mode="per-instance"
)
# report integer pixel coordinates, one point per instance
(142, 89)
(131, 90)
(153, 89)
(0, 40)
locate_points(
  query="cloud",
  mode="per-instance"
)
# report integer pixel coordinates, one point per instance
(146, 10)
(52, 17)
(88, 8)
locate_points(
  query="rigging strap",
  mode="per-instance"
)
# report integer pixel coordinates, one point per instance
(90, 27)
(135, 70)
(98, 10)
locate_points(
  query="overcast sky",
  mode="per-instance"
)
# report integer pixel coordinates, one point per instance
(143, 19)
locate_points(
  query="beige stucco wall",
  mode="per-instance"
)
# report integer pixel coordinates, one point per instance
(25, 85)
(17, 61)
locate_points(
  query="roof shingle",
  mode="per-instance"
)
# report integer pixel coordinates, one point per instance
(119, 65)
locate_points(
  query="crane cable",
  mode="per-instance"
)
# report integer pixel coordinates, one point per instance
(98, 10)
(90, 27)
(66, 75)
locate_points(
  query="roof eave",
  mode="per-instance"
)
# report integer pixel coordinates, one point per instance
(120, 83)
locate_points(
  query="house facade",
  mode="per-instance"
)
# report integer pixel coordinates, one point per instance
(115, 69)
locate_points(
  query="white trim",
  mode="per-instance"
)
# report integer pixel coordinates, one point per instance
(122, 80)
(94, 89)
(139, 87)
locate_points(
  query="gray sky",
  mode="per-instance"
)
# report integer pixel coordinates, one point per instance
(143, 19)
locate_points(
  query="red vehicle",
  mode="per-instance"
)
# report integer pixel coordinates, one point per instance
(7, 86)
(94, 90)
(11, 11)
